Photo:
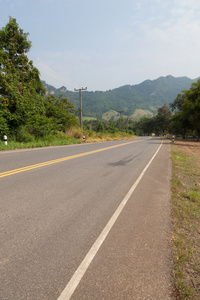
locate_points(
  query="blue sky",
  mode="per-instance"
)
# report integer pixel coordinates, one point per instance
(105, 44)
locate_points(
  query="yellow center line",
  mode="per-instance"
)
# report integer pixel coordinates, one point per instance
(50, 162)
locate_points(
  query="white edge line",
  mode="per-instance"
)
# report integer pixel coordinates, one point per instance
(76, 278)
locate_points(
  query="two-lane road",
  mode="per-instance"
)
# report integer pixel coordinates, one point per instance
(55, 202)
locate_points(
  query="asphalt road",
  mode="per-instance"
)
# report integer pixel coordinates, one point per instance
(55, 202)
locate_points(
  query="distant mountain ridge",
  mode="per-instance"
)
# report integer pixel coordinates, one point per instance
(147, 96)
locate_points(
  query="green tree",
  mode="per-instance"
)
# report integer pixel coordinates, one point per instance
(24, 109)
(191, 106)
(163, 118)
(61, 112)
(100, 127)
(187, 111)
(147, 126)
(5, 116)
(178, 103)
(20, 85)
(179, 124)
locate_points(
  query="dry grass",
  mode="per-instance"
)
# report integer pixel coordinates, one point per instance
(77, 133)
(73, 136)
(186, 219)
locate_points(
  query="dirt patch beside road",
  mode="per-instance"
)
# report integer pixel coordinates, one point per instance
(186, 218)
(189, 148)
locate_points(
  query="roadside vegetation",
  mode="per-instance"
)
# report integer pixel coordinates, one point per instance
(74, 136)
(27, 113)
(29, 117)
(186, 219)
(51, 140)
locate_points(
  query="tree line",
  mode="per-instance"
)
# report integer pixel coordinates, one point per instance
(158, 124)
(27, 113)
(186, 108)
(181, 117)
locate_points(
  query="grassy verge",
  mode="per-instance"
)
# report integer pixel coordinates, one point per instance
(73, 136)
(104, 137)
(48, 141)
(186, 224)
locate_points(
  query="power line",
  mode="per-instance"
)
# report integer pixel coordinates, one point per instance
(52, 74)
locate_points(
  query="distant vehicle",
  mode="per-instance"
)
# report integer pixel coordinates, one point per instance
(153, 134)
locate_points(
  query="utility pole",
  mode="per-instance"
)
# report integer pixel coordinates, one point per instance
(120, 112)
(76, 90)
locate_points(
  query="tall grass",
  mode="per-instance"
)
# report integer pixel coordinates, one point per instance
(58, 139)
(186, 225)
(92, 136)
(73, 136)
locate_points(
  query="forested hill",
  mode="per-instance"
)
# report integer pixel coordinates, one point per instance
(147, 96)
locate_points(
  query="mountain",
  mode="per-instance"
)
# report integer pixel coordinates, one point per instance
(145, 97)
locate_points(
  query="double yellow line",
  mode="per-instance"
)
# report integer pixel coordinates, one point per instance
(55, 161)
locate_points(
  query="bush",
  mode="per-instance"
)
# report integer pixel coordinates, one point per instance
(91, 133)
(24, 136)
(40, 126)
(75, 133)
(131, 132)
(4, 128)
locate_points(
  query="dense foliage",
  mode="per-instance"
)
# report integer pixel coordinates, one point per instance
(148, 96)
(187, 111)
(25, 112)
(158, 124)
(185, 120)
